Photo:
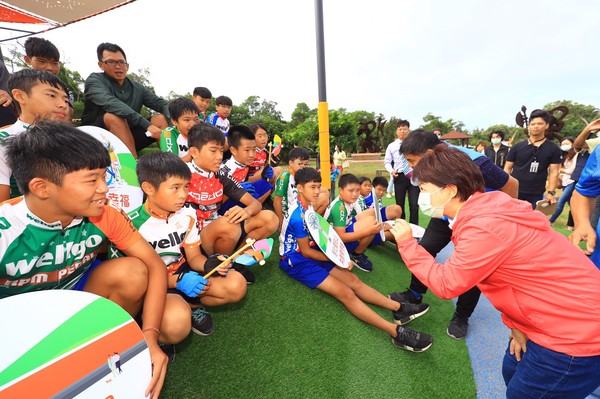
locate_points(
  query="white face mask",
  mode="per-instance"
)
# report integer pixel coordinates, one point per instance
(428, 209)
(497, 140)
(566, 147)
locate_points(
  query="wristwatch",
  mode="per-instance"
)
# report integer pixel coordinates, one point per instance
(553, 192)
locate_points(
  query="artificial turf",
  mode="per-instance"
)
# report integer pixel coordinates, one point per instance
(284, 340)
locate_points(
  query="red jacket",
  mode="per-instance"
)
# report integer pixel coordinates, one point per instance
(540, 282)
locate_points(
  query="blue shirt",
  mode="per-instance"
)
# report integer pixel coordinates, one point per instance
(589, 186)
(293, 228)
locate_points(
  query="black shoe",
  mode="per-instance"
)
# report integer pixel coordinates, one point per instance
(169, 351)
(362, 262)
(244, 271)
(458, 327)
(202, 322)
(406, 296)
(409, 311)
(411, 340)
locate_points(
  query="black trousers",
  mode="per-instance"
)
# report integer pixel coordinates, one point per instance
(402, 186)
(436, 237)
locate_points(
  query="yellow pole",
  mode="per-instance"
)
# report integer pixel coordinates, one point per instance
(323, 117)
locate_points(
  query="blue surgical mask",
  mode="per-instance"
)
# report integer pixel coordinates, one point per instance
(428, 209)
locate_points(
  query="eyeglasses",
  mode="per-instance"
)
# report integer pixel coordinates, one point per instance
(112, 63)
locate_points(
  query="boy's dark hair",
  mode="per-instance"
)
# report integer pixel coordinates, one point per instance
(363, 179)
(204, 133)
(180, 106)
(38, 47)
(113, 48)
(403, 122)
(155, 168)
(255, 126)
(307, 175)
(498, 132)
(380, 181)
(237, 133)
(223, 100)
(540, 113)
(418, 142)
(298, 153)
(202, 92)
(346, 179)
(50, 150)
(26, 78)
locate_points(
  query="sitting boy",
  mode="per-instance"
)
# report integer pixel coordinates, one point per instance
(201, 97)
(285, 186)
(355, 224)
(262, 175)
(219, 119)
(39, 95)
(51, 236)
(171, 228)
(209, 188)
(303, 262)
(184, 115)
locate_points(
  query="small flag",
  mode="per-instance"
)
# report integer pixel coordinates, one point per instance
(276, 145)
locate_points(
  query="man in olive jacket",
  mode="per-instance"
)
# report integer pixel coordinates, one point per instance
(113, 101)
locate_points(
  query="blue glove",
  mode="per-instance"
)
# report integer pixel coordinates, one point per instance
(191, 284)
(268, 172)
(248, 187)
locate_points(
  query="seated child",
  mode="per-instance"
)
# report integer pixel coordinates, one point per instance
(209, 188)
(61, 172)
(285, 186)
(304, 262)
(201, 97)
(355, 224)
(171, 228)
(39, 95)
(184, 115)
(388, 213)
(219, 119)
(262, 176)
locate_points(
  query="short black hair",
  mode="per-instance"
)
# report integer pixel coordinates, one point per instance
(204, 133)
(27, 78)
(346, 179)
(223, 100)
(237, 133)
(380, 181)
(298, 153)
(38, 47)
(498, 132)
(155, 168)
(402, 122)
(202, 92)
(418, 142)
(113, 48)
(363, 179)
(50, 150)
(180, 106)
(307, 175)
(540, 113)
(255, 126)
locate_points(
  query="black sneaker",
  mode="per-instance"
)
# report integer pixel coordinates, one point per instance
(202, 322)
(246, 272)
(169, 351)
(362, 262)
(458, 328)
(406, 296)
(409, 311)
(411, 340)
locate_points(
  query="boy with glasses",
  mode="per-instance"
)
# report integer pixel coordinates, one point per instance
(113, 101)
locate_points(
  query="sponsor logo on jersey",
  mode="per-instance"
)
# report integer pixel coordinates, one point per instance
(173, 240)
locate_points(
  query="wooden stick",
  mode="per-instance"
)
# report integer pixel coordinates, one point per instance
(249, 243)
(270, 153)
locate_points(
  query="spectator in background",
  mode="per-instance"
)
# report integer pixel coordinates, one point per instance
(7, 113)
(480, 147)
(339, 157)
(396, 164)
(497, 152)
(114, 102)
(566, 170)
(438, 133)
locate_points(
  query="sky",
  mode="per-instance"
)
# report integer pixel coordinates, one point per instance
(473, 61)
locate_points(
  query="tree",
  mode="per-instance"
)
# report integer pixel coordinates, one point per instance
(433, 122)
(254, 110)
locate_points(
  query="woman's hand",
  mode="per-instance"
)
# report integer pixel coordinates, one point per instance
(401, 230)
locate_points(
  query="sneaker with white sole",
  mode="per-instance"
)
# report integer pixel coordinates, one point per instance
(409, 311)
(406, 296)
(411, 340)
(202, 322)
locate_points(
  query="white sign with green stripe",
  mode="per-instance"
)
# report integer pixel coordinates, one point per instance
(326, 238)
(71, 344)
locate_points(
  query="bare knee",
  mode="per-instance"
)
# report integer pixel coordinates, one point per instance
(236, 287)
(177, 320)
(112, 120)
(270, 221)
